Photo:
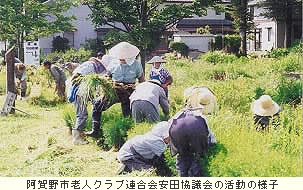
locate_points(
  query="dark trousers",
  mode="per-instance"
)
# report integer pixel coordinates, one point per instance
(188, 166)
(103, 104)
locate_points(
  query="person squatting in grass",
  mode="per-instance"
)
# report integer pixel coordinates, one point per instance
(20, 75)
(145, 101)
(91, 66)
(160, 73)
(59, 77)
(265, 110)
(190, 134)
(124, 75)
(145, 151)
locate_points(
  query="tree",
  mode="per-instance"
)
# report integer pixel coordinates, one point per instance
(144, 21)
(240, 13)
(282, 12)
(32, 19)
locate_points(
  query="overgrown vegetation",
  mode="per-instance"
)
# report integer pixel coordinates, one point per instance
(71, 55)
(179, 47)
(241, 150)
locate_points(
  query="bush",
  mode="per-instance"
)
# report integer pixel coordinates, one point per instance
(288, 64)
(279, 52)
(289, 91)
(179, 47)
(60, 44)
(94, 45)
(217, 57)
(71, 55)
(297, 47)
(231, 43)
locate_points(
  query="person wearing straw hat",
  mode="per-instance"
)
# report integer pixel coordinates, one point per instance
(200, 96)
(92, 66)
(265, 109)
(124, 75)
(190, 134)
(158, 72)
(145, 151)
(145, 101)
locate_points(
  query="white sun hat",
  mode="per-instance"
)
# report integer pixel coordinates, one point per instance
(156, 59)
(155, 81)
(201, 97)
(265, 106)
(124, 50)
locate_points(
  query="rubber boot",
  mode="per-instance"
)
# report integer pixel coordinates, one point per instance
(96, 132)
(77, 138)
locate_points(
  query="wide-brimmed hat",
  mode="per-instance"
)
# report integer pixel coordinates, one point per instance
(265, 106)
(200, 97)
(124, 50)
(156, 59)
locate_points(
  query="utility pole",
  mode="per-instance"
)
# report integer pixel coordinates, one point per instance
(10, 73)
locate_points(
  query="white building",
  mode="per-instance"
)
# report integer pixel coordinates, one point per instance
(269, 34)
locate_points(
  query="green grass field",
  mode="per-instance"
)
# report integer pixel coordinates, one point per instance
(41, 145)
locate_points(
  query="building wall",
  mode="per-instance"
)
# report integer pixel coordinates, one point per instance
(195, 41)
(84, 29)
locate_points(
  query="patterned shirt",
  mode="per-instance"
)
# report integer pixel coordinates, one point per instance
(126, 73)
(89, 67)
(162, 75)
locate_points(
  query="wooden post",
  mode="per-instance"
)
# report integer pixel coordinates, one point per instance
(10, 73)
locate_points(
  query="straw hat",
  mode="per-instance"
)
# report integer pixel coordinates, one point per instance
(155, 81)
(124, 50)
(265, 106)
(196, 97)
(156, 59)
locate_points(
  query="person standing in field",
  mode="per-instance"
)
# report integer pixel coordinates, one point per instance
(160, 73)
(20, 75)
(124, 75)
(92, 66)
(59, 77)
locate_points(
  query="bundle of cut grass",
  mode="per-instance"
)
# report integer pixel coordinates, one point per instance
(95, 86)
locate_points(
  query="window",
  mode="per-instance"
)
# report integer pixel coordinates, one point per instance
(70, 37)
(269, 31)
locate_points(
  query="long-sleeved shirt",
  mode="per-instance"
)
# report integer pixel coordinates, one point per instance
(152, 93)
(126, 73)
(89, 67)
(58, 74)
(148, 145)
